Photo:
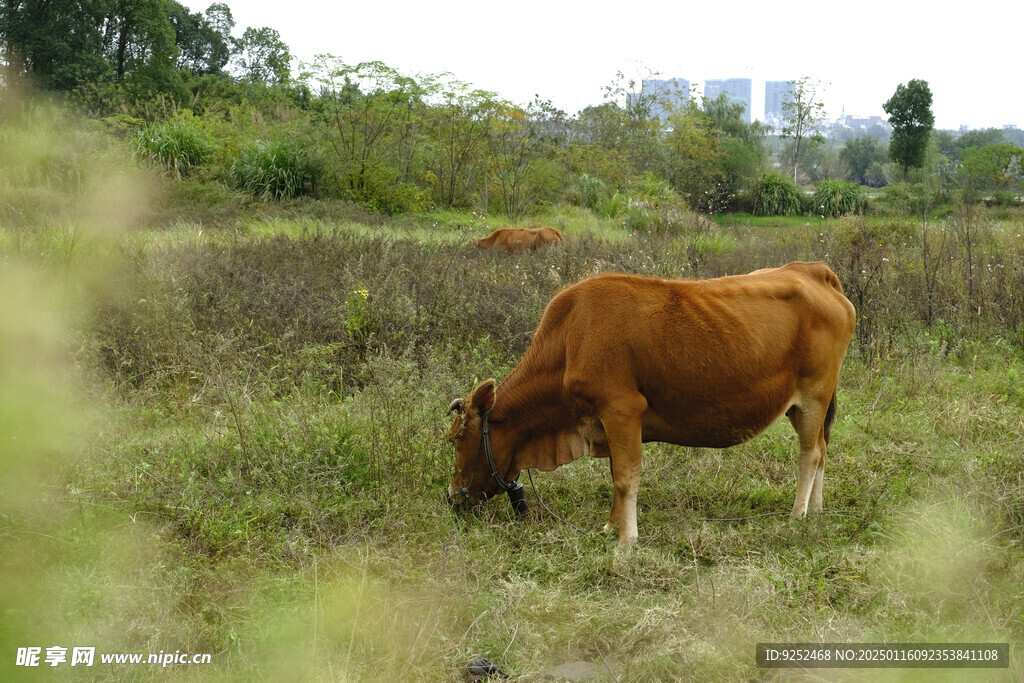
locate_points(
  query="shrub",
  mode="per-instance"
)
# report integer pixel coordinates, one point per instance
(776, 195)
(896, 199)
(838, 198)
(614, 205)
(176, 144)
(875, 175)
(653, 187)
(592, 191)
(640, 216)
(1004, 198)
(276, 170)
(395, 199)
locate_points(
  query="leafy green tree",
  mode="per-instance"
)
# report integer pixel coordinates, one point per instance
(1014, 136)
(980, 138)
(203, 47)
(727, 118)
(639, 127)
(58, 44)
(515, 143)
(825, 162)
(875, 176)
(457, 131)
(598, 126)
(594, 143)
(221, 23)
(946, 143)
(710, 152)
(262, 57)
(742, 142)
(802, 114)
(68, 45)
(997, 166)
(860, 154)
(371, 116)
(910, 113)
(695, 160)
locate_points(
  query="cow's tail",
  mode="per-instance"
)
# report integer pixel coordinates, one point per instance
(830, 415)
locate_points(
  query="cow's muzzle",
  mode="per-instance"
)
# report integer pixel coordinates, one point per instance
(516, 495)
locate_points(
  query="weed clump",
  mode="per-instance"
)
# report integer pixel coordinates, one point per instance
(836, 198)
(776, 195)
(179, 146)
(274, 169)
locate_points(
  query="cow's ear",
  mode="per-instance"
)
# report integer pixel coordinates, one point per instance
(483, 396)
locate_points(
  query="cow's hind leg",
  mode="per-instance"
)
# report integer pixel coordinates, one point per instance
(815, 504)
(808, 421)
(623, 425)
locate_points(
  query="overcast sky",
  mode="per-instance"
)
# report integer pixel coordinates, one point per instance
(567, 52)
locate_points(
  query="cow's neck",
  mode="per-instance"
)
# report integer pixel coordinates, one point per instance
(529, 414)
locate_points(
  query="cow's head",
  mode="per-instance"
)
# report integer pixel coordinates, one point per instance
(478, 476)
(474, 242)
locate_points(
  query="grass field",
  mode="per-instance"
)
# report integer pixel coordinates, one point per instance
(226, 436)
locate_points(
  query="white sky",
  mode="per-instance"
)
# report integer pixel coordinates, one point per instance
(568, 51)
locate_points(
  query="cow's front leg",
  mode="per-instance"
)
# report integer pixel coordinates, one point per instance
(613, 518)
(624, 501)
(623, 424)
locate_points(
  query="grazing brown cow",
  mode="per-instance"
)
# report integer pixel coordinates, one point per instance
(622, 359)
(519, 239)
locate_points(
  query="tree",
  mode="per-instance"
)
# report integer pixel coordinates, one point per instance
(513, 143)
(825, 162)
(204, 42)
(992, 167)
(726, 116)
(600, 126)
(458, 127)
(56, 43)
(372, 122)
(639, 125)
(694, 161)
(67, 44)
(218, 15)
(860, 154)
(802, 113)
(709, 151)
(910, 113)
(262, 57)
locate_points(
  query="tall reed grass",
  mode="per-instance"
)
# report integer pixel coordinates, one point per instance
(776, 195)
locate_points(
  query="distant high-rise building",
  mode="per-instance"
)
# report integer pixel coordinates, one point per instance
(738, 90)
(775, 93)
(666, 93)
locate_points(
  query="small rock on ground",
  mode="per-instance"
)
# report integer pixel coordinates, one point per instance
(576, 671)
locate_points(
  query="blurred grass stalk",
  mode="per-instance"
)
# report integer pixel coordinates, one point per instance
(66, 193)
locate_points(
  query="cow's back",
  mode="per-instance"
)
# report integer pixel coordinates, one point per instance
(548, 235)
(699, 349)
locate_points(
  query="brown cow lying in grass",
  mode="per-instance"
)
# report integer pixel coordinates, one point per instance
(519, 239)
